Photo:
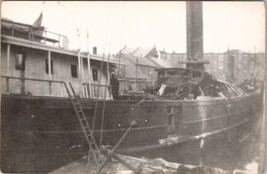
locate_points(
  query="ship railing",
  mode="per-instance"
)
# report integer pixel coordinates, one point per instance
(37, 87)
(55, 88)
(33, 33)
(97, 91)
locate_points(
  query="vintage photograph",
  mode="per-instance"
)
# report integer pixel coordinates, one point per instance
(133, 87)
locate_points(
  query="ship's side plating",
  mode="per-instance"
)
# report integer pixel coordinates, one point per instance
(49, 129)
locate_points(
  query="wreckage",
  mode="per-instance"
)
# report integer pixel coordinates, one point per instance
(186, 84)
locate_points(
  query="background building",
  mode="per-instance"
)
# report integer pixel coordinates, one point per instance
(233, 66)
(140, 65)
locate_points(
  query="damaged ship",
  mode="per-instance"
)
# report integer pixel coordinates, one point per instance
(188, 111)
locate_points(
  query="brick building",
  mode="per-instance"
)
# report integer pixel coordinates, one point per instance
(233, 65)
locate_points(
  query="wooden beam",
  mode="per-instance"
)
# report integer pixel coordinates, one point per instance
(108, 76)
(35, 45)
(89, 76)
(49, 72)
(49, 64)
(8, 59)
(80, 74)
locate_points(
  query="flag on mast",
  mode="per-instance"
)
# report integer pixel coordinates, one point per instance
(38, 22)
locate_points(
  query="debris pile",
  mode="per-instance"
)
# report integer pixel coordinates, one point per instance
(181, 88)
(161, 166)
(185, 84)
(249, 85)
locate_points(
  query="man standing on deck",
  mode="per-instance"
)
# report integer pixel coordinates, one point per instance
(114, 82)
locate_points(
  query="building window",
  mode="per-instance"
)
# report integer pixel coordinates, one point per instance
(46, 66)
(95, 75)
(74, 72)
(20, 62)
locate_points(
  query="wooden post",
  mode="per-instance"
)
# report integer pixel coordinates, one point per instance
(49, 72)
(80, 92)
(59, 41)
(79, 73)
(89, 75)
(81, 61)
(108, 76)
(124, 78)
(45, 36)
(136, 74)
(8, 66)
(8, 59)
(7, 85)
(12, 30)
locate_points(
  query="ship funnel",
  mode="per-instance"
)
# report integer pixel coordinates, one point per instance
(194, 36)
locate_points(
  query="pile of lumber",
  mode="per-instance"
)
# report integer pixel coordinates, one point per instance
(161, 166)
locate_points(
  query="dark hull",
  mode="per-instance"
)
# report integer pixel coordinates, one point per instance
(48, 130)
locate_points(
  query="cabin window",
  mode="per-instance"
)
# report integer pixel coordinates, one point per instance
(196, 74)
(46, 66)
(20, 62)
(74, 72)
(95, 75)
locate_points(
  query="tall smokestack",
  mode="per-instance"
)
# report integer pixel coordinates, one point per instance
(194, 35)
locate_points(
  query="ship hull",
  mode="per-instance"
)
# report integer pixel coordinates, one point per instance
(48, 130)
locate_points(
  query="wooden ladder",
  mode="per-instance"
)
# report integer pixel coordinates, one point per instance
(88, 132)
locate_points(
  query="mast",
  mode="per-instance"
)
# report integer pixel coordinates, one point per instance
(80, 68)
(194, 36)
(90, 95)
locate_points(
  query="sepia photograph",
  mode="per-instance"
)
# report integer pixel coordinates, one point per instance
(132, 87)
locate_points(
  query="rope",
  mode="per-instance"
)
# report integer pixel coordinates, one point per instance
(122, 18)
(104, 107)
(96, 104)
(105, 90)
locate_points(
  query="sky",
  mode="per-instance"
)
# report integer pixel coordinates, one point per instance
(113, 25)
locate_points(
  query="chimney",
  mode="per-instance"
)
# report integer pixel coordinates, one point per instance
(94, 50)
(194, 35)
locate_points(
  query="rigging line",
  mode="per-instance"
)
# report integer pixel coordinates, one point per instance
(101, 69)
(89, 65)
(104, 104)
(105, 91)
(75, 21)
(88, 57)
(43, 4)
(99, 84)
(84, 16)
(122, 19)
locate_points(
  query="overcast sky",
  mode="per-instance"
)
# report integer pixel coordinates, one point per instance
(112, 25)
